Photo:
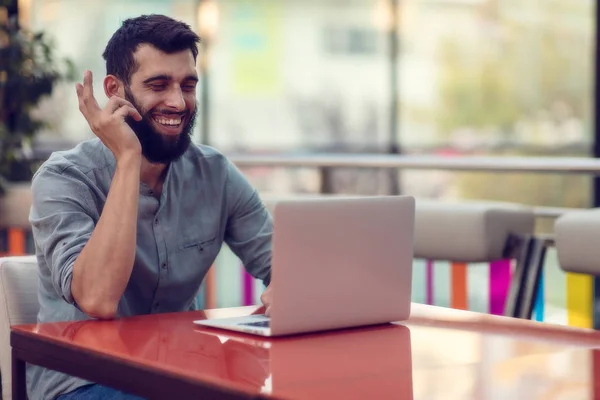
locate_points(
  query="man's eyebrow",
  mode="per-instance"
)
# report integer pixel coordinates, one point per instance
(163, 77)
(157, 78)
(193, 78)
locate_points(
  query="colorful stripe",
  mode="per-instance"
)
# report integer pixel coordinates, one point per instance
(229, 291)
(579, 300)
(210, 294)
(459, 286)
(419, 281)
(478, 289)
(540, 301)
(500, 272)
(248, 297)
(481, 287)
(441, 283)
(200, 299)
(259, 288)
(429, 282)
(16, 242)
(555, 283)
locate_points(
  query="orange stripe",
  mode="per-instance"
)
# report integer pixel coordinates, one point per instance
(211, 293)
(16, 242)
(459, 286)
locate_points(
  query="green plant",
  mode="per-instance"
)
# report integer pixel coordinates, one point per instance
(29, 71)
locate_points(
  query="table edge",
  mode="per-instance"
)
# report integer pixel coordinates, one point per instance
(51, 348)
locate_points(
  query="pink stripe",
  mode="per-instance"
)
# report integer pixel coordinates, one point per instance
(248, 288)
(499, 284)
(429, 282)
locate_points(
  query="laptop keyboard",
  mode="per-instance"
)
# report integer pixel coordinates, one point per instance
(262, 324)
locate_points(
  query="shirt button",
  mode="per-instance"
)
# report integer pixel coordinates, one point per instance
(156, 305)
(164, 266)
(155, 222)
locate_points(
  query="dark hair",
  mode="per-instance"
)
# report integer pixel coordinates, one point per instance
(162, 32)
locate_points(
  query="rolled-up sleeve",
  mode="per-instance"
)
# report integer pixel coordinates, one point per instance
(249, 228)
(61, 223)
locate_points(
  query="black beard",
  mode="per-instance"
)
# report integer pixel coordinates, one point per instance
(158, 148)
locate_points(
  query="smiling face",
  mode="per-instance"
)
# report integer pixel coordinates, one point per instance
(163, 89)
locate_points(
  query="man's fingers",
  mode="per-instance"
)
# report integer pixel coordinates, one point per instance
(87, 93)
(88, 88)
(124, 111)
(79, 90)
(83, 105)
(116, 102)
(265, 298)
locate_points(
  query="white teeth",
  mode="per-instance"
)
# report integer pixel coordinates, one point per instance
(168, 121)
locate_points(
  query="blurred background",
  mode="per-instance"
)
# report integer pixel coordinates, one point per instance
(410, 77)
(460, 77)
(442, 78)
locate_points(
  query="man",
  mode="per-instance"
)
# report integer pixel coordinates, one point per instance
(130, 222)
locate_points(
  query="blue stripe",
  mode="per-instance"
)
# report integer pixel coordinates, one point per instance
(419, 281)
(441, 284)
(478, 288)
(538, 308)
(228, 279)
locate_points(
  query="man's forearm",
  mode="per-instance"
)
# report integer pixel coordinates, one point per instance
(103, 268)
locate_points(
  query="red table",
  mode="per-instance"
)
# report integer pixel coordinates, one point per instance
(438, 354)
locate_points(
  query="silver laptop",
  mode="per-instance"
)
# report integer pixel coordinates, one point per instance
(336, 263)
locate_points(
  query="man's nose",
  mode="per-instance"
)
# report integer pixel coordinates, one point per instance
(175, 99)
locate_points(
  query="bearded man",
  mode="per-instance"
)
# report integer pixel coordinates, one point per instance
(129, 223)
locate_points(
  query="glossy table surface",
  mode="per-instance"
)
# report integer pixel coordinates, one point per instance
(438, 354)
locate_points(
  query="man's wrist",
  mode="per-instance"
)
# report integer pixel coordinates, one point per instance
(129, 160)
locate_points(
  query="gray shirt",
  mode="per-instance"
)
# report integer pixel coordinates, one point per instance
(205, 202)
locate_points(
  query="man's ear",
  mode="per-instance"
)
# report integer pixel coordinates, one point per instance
(113, 87)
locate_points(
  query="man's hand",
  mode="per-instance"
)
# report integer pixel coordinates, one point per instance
(266, 299)
(109, 123)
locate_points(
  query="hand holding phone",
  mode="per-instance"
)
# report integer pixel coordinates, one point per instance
(109, 124)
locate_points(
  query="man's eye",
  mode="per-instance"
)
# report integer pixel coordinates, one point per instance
(157, 87)
(189, 88)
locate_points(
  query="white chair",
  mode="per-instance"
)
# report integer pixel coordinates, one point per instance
(469, 231)
(576, 236)
(18, 305)
(484, 231)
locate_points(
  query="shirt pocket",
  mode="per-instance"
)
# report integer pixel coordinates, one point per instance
(200, 245)
(200, 250)
(189, 264)
(192, 260)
